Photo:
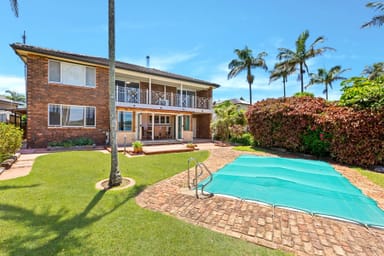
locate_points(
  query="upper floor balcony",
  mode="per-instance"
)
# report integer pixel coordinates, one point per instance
(152, 99)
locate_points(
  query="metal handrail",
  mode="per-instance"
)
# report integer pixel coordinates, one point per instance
(194, 183)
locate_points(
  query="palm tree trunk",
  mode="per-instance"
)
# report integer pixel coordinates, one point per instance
(114, 176)
(284, 88)
(302, 77)
(326, 91)
(250, 94)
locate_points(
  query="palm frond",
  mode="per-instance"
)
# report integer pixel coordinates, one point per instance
(15, 7)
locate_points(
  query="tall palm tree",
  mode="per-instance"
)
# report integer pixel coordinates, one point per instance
(114, 176)
(374, 71)
(376, 20)
(301, 54)
(281, 70)
(327, 77)
(245, 62)
(15, 7)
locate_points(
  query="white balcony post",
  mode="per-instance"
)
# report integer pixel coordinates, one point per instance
(150, 91)
(153, 126)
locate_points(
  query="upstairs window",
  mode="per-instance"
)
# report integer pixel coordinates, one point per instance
(71, 74)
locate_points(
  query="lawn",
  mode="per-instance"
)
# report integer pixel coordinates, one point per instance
(375, 177)
(56, 210)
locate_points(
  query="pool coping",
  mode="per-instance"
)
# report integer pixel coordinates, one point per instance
(276, 228)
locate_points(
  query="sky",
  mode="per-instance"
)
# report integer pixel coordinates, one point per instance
(196, 38)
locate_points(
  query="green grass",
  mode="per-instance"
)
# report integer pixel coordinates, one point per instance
(56, 210)
(248, 149)
(375, 177)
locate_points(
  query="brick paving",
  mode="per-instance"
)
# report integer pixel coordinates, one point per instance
(291, 231)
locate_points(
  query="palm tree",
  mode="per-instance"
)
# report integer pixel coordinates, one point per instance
(376, 20)
(281, 70)
(302, 54)
(114, 176)
(15, 96)
(327, 77)
(374, 71)
(246, 61)
(15, 7)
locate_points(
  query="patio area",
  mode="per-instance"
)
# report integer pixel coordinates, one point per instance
(291, 231)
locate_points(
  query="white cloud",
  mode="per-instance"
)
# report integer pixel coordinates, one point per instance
(166, 61)
(12, 83)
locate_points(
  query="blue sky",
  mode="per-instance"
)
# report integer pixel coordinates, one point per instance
(196, 38)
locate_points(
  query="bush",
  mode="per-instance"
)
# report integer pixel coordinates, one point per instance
(316, 141)
(11, 139)
(362, 93)
(246, 139)
(304, 94)
(350, 136)
(72, 142)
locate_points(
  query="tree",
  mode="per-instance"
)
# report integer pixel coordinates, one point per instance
(374, 71)
(376, 20)
(227, 116)
(245, 62)
(281, 70)
(301, 54)
(15, 96)
(15, 7)
(326, 77)
(115, 178)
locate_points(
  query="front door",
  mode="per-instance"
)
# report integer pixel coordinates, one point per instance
(179, 127)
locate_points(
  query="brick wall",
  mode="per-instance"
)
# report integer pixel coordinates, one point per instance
(40, 93)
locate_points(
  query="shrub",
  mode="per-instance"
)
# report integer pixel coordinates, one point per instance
(362, 93)
(316, 141)
(11, 139)
(82, 141)
(350, 136)
(304, 94)
(246, 139)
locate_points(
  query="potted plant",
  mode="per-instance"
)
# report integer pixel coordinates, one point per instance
(137, 147)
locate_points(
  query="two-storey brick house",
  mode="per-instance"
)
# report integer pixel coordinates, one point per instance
(67, 97)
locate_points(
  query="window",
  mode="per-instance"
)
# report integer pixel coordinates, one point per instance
(125, 121)
(160, 119)
(54, 113)
(54, 71)
(187, 125)
(71, 116)
(72, 74)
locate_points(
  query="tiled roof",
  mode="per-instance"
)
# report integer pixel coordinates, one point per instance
(104, 62)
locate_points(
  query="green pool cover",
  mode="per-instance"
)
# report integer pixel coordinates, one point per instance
(307, 185)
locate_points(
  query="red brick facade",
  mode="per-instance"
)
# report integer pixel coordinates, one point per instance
(40, 93)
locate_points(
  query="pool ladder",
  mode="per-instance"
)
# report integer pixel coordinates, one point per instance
(199, 171)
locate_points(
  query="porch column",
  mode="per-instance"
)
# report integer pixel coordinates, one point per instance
(181, 95)
(150, 91)
(153, 126)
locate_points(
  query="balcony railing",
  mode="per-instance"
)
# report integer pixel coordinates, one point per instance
(141, 96)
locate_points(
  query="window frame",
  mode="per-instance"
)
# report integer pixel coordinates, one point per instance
(84, 70)
(61, 106)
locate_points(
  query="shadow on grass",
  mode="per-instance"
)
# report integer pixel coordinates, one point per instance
(48, 233)
(18, 187)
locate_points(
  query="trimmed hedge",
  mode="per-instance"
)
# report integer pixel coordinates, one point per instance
(352, 137)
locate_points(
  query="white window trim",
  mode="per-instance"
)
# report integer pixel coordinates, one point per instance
(85, 85)
(68, 126)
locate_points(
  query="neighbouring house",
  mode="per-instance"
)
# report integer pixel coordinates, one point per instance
(11, 111)
(68, 95)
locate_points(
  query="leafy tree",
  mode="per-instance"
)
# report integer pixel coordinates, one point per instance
(301, 54)
(115, 178)
(15, 96)
(245, 62)
(326, 77)
(377, 20)
(374, 71)
(281, 70)
(11, 138)
(15, 7)
(361, 93)
(227, 116)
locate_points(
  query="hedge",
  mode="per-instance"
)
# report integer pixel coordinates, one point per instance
(351, 136)
(11, 139)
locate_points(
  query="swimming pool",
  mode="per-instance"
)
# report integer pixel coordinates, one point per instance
(306, 185)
